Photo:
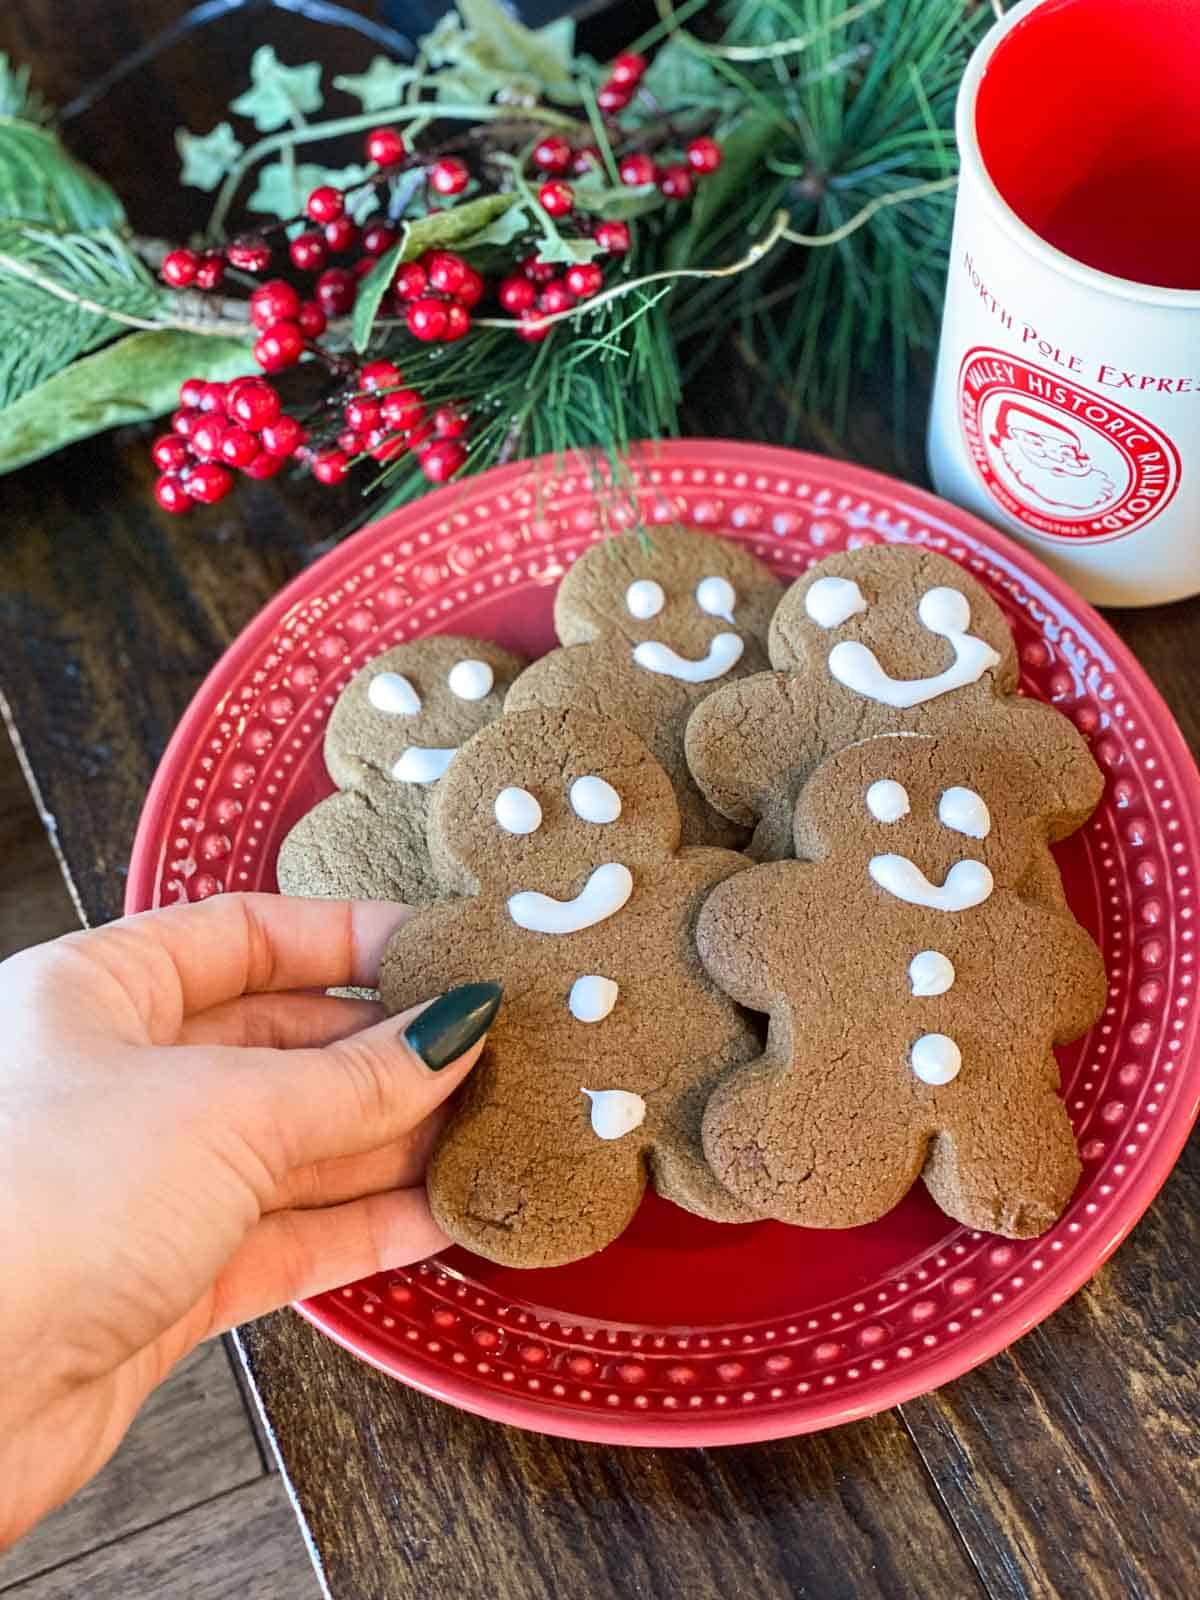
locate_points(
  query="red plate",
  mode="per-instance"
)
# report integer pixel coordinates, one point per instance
(684, 1332)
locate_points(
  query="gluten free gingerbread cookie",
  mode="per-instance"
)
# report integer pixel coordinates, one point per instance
(561, 831)
(650, 626)
(914, 995)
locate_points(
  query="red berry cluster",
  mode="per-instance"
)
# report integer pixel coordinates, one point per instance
(435, 295)
(677, 179)
(538, 291)
(619, 88)
(384, 419)
(218, 426)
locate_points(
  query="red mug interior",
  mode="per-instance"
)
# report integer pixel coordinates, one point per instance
(1088, 122)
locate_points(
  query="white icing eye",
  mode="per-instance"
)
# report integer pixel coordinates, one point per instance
(831, 601)
(644, 599)
(887, 800)
(422, 764)
(717, 597)
(517, 811)
(594, 800)
(965, 812)
(944, 611)
(471, 680)
(392, 692)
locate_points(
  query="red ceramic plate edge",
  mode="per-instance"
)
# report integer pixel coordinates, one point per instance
(708, 1431)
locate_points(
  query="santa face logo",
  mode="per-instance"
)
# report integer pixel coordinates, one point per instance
(1067, 463)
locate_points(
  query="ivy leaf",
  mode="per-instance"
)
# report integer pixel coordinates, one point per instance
(206, 158)
(281, 189)
(278, 95)
(593, 193)
(131, 381)
(510, 47)
(371, 290)
(381, 86)
(557, 248)
(680, 75)
(506, 227)
(40, 182)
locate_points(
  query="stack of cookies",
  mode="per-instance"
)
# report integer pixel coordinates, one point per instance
(766, 876)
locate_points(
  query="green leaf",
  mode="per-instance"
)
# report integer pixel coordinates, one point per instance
(206, 158)
(282, 189)
(557, 248)
(594, 193)
(506, 227)
(543, 53)
(371, 290)
(131, 381)
(40, 182)
(679, 75)
(278, 95)
(381, 86)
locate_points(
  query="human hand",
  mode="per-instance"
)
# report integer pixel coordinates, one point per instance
(191, 1135)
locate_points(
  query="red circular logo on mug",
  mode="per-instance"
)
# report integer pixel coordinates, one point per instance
(1066, 462)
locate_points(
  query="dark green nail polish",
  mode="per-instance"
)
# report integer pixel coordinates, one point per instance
(453, 1023)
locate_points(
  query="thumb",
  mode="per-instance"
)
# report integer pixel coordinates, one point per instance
(366, 1090)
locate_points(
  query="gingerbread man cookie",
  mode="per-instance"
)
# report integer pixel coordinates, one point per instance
(649, 626)
(562, 832)
(390, 737)
(914, 995)
(871, 641)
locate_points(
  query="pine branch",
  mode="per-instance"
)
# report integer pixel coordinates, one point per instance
(17, 99)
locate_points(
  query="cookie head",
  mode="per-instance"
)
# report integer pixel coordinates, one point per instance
(688, 607)
(936, 822)
(408, 711)
(898, 625)
(554, 803)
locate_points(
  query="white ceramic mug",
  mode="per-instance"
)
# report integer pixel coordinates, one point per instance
(1066, 406)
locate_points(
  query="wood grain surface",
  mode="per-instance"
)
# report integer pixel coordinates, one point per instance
(1066, 1468)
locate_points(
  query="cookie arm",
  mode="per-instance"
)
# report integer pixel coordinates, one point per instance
(431, 953)
(747, 923)
(1071, 783)
(1077, 985)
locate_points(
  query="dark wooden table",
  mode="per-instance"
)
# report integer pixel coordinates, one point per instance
(1066, 1467)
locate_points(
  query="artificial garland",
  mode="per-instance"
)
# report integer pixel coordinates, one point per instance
(532, 253)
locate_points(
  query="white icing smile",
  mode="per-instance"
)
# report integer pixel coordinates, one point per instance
(392, 693)
(602, 896)
(422, 764)
(723, 653)
(615, 1112)
(968, 883)
(943, 611)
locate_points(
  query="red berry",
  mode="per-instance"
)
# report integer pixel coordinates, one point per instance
(206, 438)
(279, 346)
(190, 391)
(274, 301)
(445, 270)
(612, 237)
(637, 169)
(557, 198)
(449, 422)
(584, 279)
(584, 160)
(337, 291)
(441, 459)
(209, 482)
(627, 68)
(378, 239)
(212, 396)
(265, 465)
(253, 403)
(239, 447)
(471, 290)
(330, 466)
(458, 321)
(171, 493)
(308, 252)
(448, 176)
(383, 446)
(411, 281)
(171, 452)
(210, 270)
(516, 294)
(362, 266)
(350, 442)
(311, 320)
(613, 97)
(362, 414)
(533, 326)
(538, 271)
(184, 420)
(552, 154)
(283, 436)
(340, 235)
(703, 155)
(555, 297)
(676, 182)
(251, 255)
(179, 268)
(325, 203)
(427, 319)
(379, 375)
(403, 409)
(385, 147)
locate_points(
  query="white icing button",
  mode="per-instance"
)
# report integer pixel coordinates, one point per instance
(603, 895)
(965, 812)
(517, 811)
(615, 1112)
(592, 998)
(887, 800)
(832, 601)
(422, 764)
(594, 800)
(724, 652)
(471, 680)
(930, 973)
(936, 1058)
(968, 883)
(716, 597)
(392, 692)
(644, 599)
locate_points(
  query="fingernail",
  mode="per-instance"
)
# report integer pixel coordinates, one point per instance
(453, 1023)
